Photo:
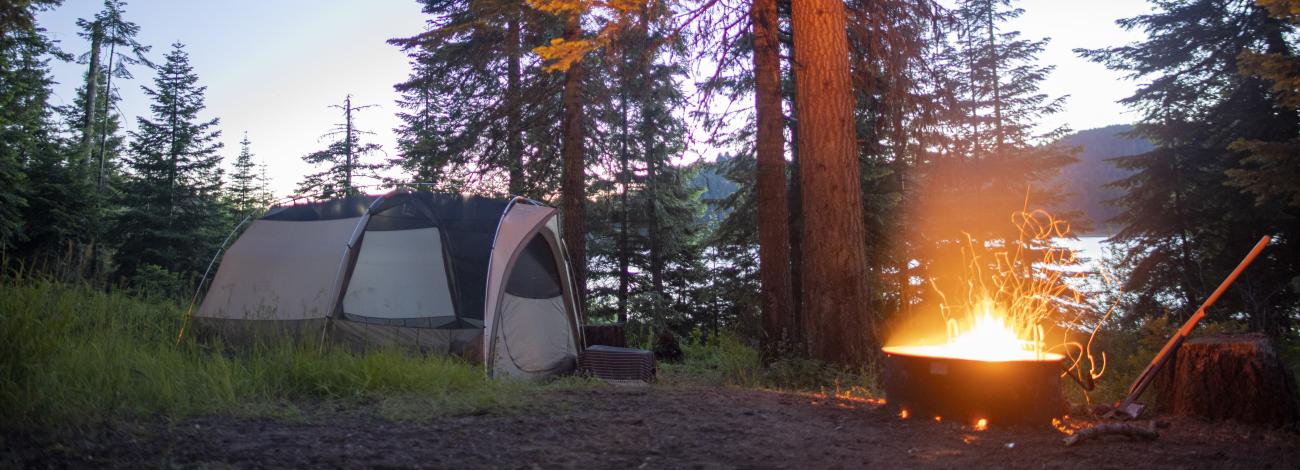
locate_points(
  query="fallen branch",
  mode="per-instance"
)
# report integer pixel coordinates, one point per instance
(1130, 431)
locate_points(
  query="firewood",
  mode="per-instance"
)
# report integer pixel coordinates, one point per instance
(1229, 377)
(1131, 431)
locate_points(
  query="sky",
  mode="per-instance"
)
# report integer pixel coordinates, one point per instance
(273, 68)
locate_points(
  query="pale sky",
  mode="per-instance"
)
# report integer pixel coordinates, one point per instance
(272, 68)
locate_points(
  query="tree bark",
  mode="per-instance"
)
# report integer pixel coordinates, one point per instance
(835, 300)
(770, 183)
(1237, 377)
(573, 187)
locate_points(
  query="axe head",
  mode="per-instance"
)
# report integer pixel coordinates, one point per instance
(1126, 410)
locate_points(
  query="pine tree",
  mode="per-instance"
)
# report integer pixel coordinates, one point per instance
(247, 190)
(21, 14)
(342, 158)
(834, 255)
(1272, 172)
(494, 136)
(770, 181)
(65, 204)
(109, 29)
(25, 129)
(173, 217)
(1184, 228)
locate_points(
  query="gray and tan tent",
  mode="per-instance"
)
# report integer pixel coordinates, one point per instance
(482, 278)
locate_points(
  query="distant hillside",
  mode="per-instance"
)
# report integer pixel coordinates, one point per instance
(1085, 180)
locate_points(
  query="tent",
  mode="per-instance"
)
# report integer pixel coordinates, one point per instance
(482, 278)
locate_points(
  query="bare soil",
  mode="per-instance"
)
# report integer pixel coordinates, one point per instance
(652, 427)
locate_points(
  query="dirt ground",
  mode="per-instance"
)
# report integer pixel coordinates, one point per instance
(653, 427)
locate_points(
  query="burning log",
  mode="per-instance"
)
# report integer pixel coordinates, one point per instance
(1131, 431)
(1237, 377)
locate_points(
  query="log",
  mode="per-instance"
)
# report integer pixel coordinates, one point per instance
(1131, 431)
(1229, 377)
(605, 335)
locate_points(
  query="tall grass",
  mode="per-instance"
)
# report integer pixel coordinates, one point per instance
(73, 355)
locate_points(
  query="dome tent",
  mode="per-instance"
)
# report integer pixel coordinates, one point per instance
(482, 278)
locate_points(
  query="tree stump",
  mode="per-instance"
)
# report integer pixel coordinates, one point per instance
(1236, 377)
(605, 335)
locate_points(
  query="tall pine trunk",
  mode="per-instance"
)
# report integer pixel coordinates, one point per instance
(92, 94)
(770, 184)
(514, 141)
(835, 300)
(573, 180)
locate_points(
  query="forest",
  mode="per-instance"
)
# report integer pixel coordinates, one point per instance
(872, 167)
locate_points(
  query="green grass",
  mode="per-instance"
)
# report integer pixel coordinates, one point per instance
(727, 361)
(72, 355)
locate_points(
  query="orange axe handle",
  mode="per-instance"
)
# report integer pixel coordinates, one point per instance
(1171, 347)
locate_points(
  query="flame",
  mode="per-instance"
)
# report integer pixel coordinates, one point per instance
(902, 414)
(982, 424)
(989, 338)
(1005, 296)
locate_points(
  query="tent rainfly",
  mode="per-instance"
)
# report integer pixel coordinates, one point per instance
(482, 278)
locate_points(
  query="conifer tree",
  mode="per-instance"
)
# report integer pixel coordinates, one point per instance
(109, 29)
(1184, 227)
(1272, 171)
(834, 262)
(341, 158)
(25, 129)
(173, 216)
(21, 14)
(464, 126)
(65, 204)
(246, 190)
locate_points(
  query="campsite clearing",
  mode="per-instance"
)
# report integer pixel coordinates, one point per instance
(663, 426)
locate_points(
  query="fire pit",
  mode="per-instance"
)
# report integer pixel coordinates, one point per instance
(923, 382)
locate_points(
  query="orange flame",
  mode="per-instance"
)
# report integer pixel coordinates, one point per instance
(1001, 314)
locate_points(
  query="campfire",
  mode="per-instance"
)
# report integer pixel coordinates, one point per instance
(994, 364)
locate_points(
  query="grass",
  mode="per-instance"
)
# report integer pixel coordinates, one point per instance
(72, 355)
(727, 361)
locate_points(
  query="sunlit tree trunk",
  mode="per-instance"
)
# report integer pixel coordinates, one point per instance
(835, 300)
(770, 184)
(573, 187)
